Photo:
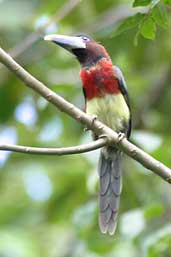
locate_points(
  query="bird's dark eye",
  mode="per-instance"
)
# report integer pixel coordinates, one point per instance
(85, 38)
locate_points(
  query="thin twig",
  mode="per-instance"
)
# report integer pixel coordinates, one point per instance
(56, 151)
(98, 128)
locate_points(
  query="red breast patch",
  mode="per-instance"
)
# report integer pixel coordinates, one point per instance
(99, 80)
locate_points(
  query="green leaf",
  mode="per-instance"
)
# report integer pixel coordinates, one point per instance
(148, 28)
(154, 210)
(129, 23)
(158, 243)
(160, 16)
(141, 3)
(168, 2)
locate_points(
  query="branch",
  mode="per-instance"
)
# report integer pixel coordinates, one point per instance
(98, 128)
(56, 151)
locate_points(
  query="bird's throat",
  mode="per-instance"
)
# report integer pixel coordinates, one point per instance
(99, 80)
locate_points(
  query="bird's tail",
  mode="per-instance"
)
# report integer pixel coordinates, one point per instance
(110, 188)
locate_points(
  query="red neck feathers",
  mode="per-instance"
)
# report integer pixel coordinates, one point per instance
(99, 80)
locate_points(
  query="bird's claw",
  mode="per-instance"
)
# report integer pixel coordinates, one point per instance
(86, 129)
(121, 136)
(94, 118)
(103, 136)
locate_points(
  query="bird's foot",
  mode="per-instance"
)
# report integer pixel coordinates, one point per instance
(121, 136)
(103, 136)
(94, 117)
(86, 129)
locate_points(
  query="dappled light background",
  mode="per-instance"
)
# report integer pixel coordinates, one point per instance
(49, 204)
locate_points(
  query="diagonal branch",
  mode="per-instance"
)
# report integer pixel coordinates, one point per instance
(98, 128)
(55, 151)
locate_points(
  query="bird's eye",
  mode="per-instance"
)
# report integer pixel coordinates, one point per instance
(85, 38)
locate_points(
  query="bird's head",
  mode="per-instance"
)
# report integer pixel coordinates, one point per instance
(87, 51)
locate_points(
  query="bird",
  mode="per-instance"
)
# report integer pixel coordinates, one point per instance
(106, 98)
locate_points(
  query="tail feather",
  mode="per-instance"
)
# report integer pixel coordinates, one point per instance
(110, 188)
(105, 182)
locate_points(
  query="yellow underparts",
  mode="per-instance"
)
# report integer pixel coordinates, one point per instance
(111, 109)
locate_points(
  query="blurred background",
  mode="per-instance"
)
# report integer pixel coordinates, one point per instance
(48, 204)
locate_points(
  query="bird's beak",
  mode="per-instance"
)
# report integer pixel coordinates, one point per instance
(67, 42)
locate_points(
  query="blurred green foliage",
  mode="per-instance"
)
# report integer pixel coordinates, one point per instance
(48, 205)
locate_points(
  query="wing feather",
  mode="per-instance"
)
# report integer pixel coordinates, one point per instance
(123, 87)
